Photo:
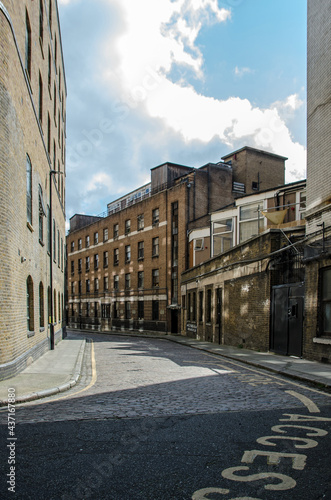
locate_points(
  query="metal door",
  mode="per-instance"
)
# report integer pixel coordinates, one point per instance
(287, 319)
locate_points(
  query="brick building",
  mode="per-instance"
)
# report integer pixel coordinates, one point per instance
(124, 267)
(317, 343)
(32, 181)
(240, 295)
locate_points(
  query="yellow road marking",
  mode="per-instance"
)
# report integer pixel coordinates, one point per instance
(312, 408)
(93, 381)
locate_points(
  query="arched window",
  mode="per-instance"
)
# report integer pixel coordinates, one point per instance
(28, 190)
(41, 306)
(29, 304)
(59, 306)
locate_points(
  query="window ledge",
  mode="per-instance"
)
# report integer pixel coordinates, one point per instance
(322, 340)
(30, 227)
(30, 334)
(42, 329)
(41, 242)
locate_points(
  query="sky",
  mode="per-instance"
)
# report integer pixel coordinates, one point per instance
(184, 81)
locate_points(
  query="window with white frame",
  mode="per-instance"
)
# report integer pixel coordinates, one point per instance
(251, 222)
(222, 236)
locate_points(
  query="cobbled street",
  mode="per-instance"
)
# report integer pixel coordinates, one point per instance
(153, 419)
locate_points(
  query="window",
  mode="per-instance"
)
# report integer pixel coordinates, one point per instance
(41, 20)
(29, 304)
(87, 242)
(222, 236)
(105, 234)
(326, 301)
(127, 226)
(140, 250)
(87, 264)
(105, 311)
(189, 310)
(127, 281)
(194, 306)
(48, 134)
(141, 309)
(72, 267)
(79, 243)
(87, 286)
(27, 45)
(127, 254)
(127, 310)
(155, 216)
(200, 306)
(54, 307)
(41, 215)
(54, 241)
(61, 254)
(105, 283)
(250, 222)
(54, 156)
(155, 310)
(155, 247)
(88, 309)
(116, 312)
(115, 230)
(116, 283)
(41, 306)
(96, 284)
(50, 13)
(96, 261)
(79, 266)
(73, 288)
(141, 279)
(72, 246)
(116, 256)
(208, 306)
(140, 222)
(40, 100)
(95, 309)
(55, 50)
(105, 259)
(155, 277)
(48, 230)
(80, 287)
(96, 238)
(49, 69)
(54, 98)
(28, 190)
(58, 249)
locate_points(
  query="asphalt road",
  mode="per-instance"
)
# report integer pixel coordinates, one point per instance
(153, 420)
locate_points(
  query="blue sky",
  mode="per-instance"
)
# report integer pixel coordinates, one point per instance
(186, 81)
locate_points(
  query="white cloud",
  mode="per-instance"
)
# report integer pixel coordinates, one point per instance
(124, 75)
(170, 38)
(240, 72)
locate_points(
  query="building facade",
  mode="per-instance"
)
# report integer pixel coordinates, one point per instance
(318, 249)
(240, 296)
(32, 181)
(124, 268)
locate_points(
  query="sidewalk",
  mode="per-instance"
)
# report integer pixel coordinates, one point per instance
(297, 368)
(55, 371)
(58, 370)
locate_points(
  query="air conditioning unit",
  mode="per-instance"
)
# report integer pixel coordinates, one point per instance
(199, 244)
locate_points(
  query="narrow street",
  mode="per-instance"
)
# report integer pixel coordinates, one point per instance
(151, 419)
